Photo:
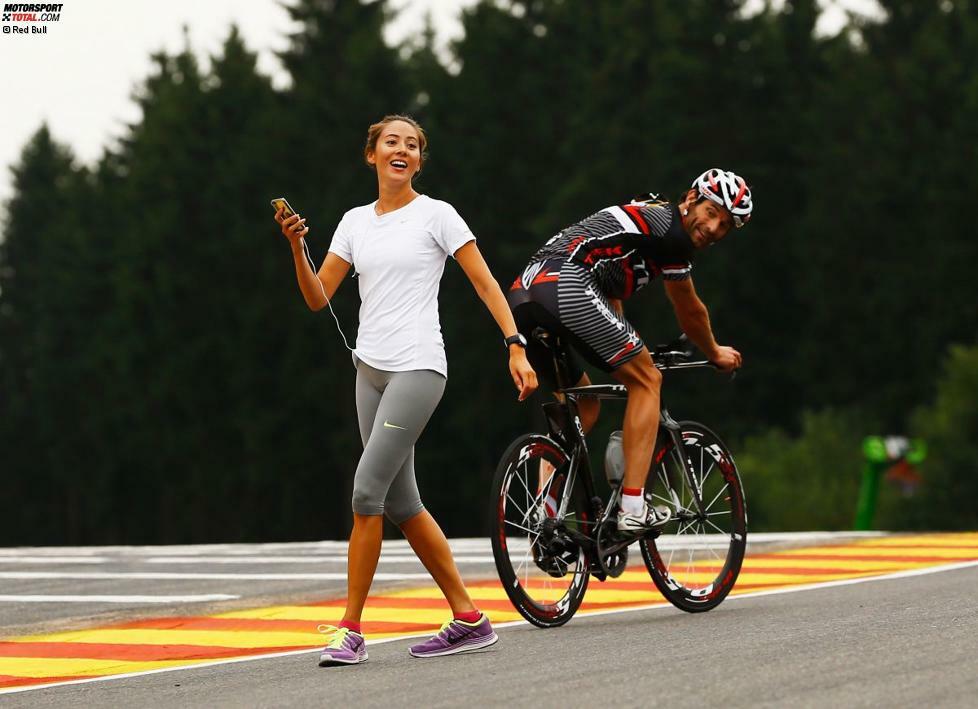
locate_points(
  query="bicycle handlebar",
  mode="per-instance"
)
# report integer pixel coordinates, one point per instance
(673, 355)
(677, 355)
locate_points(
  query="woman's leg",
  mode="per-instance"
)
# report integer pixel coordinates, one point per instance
(429, 543)
(368, 529)
(421, 389)
(361, 563)
(393, 409)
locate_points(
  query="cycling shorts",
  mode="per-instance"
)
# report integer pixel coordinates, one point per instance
(563, 297)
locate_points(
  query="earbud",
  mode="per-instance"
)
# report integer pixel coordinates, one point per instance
(685, 212)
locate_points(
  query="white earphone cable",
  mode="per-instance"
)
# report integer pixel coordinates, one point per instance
(312, 264)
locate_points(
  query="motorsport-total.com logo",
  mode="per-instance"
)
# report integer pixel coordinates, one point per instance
(36, 15)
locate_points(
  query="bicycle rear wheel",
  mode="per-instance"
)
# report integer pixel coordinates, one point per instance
(543, 570)
(695, 560)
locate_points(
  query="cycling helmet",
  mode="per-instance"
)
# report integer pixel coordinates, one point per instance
(728, 190)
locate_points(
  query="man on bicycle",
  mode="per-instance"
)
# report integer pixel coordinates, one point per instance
(574, 287)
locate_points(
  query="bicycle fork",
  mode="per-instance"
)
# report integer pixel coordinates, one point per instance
(676, 436)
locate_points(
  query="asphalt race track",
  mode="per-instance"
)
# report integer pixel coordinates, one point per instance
(897, 632)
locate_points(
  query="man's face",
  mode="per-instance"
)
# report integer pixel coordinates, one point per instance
(706, 222)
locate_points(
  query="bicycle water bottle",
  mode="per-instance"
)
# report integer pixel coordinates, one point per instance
(614, 459)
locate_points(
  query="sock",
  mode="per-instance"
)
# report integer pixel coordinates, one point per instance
(632, 500)
(350, 625)
(470, 617)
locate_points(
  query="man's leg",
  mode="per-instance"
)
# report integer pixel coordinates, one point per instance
(643, 382)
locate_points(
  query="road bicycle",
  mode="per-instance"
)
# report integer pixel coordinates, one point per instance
(551, 532)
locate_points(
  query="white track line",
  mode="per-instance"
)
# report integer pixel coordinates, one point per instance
(54, 559)
(119, 599)
(166, 576)
(337, 559)
(478, 545)
(792, 589)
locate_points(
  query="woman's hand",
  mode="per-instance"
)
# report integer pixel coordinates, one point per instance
(523, 375)
(294, 228)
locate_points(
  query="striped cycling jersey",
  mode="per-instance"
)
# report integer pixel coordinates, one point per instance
(626, 246)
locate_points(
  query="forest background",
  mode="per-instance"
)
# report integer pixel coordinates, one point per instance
(161, 380)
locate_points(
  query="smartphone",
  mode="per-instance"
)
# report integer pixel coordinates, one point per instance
(283, 203)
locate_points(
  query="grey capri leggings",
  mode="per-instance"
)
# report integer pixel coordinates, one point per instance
(393, 409)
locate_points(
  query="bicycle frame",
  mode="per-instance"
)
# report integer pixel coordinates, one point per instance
(546, 556)
(566, 428)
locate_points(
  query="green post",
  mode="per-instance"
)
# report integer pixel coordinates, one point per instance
(880, 453)
(874, 451)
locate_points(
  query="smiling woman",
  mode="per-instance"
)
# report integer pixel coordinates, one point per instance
(399, 244)
(383, 139)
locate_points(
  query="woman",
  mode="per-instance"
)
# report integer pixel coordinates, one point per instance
(398, 244)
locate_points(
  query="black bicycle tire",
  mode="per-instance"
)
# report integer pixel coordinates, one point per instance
(541, 616)
(727, 577)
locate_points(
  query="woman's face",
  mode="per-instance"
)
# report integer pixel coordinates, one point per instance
(397, 153)
(705, 221)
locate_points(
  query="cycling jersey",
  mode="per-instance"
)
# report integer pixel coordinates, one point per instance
(611, 254)
(625, 247)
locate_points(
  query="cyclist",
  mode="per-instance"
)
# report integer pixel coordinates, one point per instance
(575, 284)
(399, 244)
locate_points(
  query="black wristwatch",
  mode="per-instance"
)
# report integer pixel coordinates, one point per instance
(516, 339)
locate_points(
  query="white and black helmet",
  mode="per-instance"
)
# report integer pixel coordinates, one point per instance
(729, 191)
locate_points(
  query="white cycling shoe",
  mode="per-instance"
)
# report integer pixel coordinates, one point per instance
(650, 516)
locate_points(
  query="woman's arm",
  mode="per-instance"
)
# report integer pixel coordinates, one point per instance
(470, 259)
(316, 288)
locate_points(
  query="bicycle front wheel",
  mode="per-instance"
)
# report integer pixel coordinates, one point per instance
(543, 570)
(695, 560)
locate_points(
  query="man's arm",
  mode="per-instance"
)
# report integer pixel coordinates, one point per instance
(695, 321)
(693, 317)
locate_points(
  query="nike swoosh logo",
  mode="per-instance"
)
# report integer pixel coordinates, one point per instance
(388, 424)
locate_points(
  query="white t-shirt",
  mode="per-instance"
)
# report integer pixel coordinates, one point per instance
(400, 258)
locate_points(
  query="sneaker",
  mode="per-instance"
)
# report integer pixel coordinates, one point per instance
(457, 636)
(650, 516)
(346, 647)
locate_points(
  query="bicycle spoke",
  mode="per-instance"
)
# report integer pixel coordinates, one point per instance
(524, 529)
(525, 513)
(707, 475)
(529, 504)
(667, 500)
(687, 494)
(717, 496)
(716, 527)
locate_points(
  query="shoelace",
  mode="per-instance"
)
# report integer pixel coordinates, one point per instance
(447, 628)
(339, 635)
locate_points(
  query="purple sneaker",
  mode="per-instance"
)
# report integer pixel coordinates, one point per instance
(457, 636)
(344, 648)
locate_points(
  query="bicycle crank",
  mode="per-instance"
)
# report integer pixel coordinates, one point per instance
(612, 549)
